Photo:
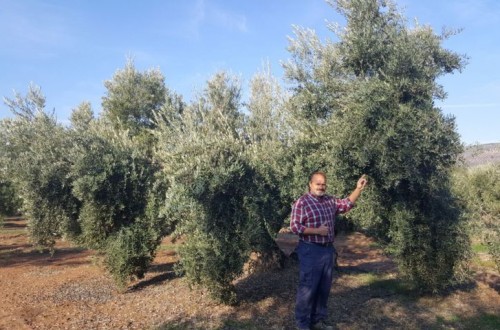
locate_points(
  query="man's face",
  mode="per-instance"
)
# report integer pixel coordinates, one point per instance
(317, 185)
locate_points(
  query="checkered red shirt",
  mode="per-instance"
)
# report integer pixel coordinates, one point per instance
(313, 211)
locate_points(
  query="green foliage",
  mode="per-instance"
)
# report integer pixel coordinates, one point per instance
(82, 117)
(234, 215)
(112, 186)
(10, 203)
(89, 183)
(152, 165)
(269, 131)
(133, 97)
(130, 251)
(366, 105)
(431, 244)
(114, 180)
(36, 150)
(479, 192)
(217, 200)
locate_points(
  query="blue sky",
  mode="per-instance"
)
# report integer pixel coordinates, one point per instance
(70, 47)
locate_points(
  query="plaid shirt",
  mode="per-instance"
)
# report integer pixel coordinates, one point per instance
(313, 211)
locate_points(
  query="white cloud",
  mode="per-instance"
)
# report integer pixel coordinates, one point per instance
(32, 27)
(228, 20)
(477, 12)
(197, 18)
(204, 14)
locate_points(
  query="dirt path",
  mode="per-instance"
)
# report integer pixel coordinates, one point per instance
(70, 291)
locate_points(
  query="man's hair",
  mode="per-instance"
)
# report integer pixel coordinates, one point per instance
(311, 176)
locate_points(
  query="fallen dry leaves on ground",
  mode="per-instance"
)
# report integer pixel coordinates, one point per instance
(71, 291)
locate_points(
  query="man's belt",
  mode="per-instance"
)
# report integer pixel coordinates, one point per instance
(327, 244)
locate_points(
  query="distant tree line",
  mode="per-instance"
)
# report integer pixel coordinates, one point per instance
(478, 189)
(222, 173)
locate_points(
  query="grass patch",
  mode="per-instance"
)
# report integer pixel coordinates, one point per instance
(13, 232)
(227, 324)
(235, 324)
(386, 284)
(483, 322)
(167, 247)
(480, 248)
(483, 257)
(377, 245)
(178, 326)
(485, 263)
(368, 279)
(395, 286)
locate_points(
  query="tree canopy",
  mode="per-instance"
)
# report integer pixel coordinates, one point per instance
(222, 173)
(368, 100)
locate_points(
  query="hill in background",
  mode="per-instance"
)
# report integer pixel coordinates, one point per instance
(482, 154)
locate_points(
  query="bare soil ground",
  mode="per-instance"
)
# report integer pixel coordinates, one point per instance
(71, 291)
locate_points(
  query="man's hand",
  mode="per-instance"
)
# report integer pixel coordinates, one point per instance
(360, 185)
(322, 230)
(362, 182)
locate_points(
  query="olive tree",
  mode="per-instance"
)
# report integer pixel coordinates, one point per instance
(114, 177)
(10, 202)
(36, 148)
(90, 183)
(269, 131)
(367, 103)
(479, 191)
(216, 199)
(132, 97)
(114, 181)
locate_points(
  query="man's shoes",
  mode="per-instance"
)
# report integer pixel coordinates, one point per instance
(321, 325)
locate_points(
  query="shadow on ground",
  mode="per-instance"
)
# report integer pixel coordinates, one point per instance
(165, 272)
(16, 255)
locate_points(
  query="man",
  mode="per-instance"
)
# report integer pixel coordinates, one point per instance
(313, 219)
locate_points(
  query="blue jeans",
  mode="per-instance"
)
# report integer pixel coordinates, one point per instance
(315, 282)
